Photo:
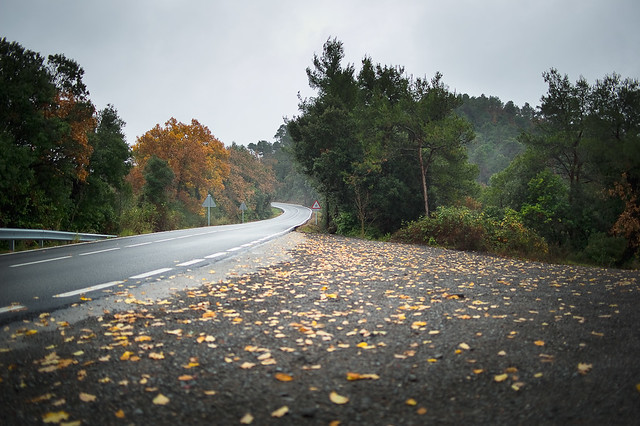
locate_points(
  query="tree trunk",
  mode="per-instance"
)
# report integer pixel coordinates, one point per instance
(423, 171)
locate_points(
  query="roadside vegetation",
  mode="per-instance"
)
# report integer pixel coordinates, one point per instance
(388, 155)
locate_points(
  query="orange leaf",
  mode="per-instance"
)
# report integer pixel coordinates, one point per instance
(283, 377)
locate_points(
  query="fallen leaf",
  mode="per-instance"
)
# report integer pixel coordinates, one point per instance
(125, 356)
(210, 392)
(119, 414)
(55, 417)
(464, 346)
(338, 399)
(247, 419)
(584, 368)
(160, 399)
(280, 411)
(539, 343)
(185, 377)
(501, 377)
(283, 377)
(87, 397)
(247, 365)
(421, 411)
(411, 402)
(358, 376)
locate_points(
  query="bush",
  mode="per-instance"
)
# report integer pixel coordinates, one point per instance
(604, 250)
(463, 229)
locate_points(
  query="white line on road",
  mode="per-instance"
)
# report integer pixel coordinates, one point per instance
(39, 261)
(88, 289)
(12, 308)
(99, 251)
(150, 273)
(140, 244)
(234, 249)
(214, 255)
(191, 262)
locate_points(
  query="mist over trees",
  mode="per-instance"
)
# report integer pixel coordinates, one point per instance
(387, 155)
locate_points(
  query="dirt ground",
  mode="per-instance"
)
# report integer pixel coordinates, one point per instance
(317, 329)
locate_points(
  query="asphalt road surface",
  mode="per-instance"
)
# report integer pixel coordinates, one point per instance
(42, 280)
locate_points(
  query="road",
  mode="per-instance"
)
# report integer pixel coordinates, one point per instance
(43, 280)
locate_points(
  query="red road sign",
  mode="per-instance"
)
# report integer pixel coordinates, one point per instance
(316, 205)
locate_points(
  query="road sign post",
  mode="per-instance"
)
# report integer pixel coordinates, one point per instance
(208, 203)
(243, 207)
(315, 207)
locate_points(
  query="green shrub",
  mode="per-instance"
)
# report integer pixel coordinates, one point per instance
(604, 250)
(461, 228)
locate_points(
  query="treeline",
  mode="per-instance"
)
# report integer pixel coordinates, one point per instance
(561, 182)
(66, 166)
(387, 155)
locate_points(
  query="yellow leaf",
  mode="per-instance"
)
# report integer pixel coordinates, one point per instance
(160, 399)
(478, 371)
(539, 343)
(125, 356)
(283, 377)
(87, 397)
(638, 387)
(280, 411)
(191, 365)
(584, 368)
(411, 402)
(210, 392)
(55, 417)
(119, 414)
(338, 399)
(247, 365)
(358, 376)
(142, 338)
(155, 355)
(501, 377)
(421, 411)
(185, 377)
(247, 419)
(464, 346)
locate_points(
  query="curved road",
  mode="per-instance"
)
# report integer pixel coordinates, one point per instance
(47, 279)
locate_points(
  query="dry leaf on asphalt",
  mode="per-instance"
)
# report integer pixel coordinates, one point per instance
(337, 398)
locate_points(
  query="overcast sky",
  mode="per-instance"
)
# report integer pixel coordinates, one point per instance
(237, 66)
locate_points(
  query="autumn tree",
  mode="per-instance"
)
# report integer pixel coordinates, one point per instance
(45, 119)
(197, 159)
(250, 181)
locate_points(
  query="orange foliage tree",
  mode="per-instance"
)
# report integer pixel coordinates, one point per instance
(250, 182)
(199, 161)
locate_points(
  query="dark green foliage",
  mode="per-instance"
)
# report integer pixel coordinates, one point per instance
(379, 144)
(461, 228)
(497, 127)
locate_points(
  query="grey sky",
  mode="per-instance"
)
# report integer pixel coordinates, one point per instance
(237, 66)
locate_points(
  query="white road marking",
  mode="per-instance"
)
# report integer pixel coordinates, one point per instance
(99, 251)
(234, 249)
(88, 289)
(39, 261)
(140, 244)
(12, 308)
(191, 262)
(247, 245)
(150, 273)
(166, 239)
(214, 255)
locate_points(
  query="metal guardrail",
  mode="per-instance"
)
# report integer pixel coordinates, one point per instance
(13, 234)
